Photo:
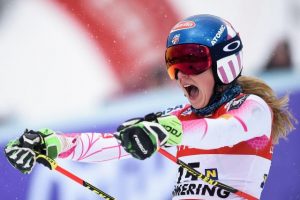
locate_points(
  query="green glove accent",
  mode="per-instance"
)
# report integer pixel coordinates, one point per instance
(12, 143)
(172, 124)
(21, 153)
(52, 142)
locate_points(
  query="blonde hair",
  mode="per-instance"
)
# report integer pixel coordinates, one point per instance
(283, 120)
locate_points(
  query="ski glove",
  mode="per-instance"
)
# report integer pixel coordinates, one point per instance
(22, 152)
(141, 137)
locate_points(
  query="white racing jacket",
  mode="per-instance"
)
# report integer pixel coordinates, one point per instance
(232, 146)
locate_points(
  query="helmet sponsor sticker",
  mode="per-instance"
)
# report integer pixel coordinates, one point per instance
(183, 25)
(218, 35)
(175, 39)
(232, 46)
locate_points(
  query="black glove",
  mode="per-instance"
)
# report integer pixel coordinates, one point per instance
(141, 137)
(22, 152)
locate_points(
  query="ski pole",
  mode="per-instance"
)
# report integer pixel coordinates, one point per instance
(52, 165)
(205, 178)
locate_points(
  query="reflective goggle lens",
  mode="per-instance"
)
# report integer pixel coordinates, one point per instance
(190, 59)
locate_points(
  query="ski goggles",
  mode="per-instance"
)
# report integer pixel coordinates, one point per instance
(190, 59)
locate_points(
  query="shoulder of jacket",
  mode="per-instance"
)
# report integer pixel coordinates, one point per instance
(174, 110)
(238, 101)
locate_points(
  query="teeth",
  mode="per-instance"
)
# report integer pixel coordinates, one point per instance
(186, 86)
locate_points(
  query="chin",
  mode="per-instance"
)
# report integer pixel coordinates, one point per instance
(197, 106)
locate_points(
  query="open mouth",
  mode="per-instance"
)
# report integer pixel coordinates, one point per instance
(192, 91)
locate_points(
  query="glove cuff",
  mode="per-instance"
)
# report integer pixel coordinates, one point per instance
(174, 128)
(52, 142)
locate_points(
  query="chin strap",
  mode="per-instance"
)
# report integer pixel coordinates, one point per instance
(219, 99)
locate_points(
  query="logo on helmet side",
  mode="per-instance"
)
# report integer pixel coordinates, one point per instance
(175, 39)
(218, 35)
(183, 25)
(232, 46)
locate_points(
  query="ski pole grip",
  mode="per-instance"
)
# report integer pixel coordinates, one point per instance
(46, 161)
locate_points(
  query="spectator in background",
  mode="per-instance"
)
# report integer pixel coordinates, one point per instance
(280, 58)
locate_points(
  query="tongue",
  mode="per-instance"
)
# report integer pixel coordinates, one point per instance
(193, 92)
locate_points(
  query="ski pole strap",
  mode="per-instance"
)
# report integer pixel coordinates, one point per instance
(46, 161)
(52, 165)
(205, 178)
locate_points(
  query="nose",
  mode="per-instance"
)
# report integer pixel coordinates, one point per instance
(181, 75)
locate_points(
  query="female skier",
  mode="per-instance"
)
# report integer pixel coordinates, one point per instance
(226, 131)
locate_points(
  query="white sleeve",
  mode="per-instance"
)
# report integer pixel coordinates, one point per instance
(91, 147)
(253, 118)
